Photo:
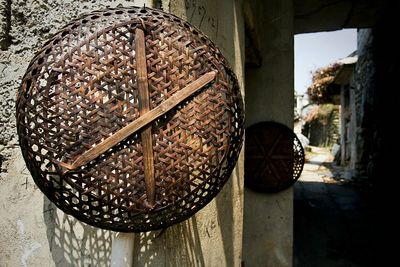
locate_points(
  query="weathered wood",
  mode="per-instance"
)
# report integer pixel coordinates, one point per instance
(122, 250)
(142, 121)
(144, 107)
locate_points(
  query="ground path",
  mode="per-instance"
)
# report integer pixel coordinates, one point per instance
(333, 225)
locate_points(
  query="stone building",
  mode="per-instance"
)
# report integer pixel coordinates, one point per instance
(356, 80)
(239, 227)
(344, 81)
(321, 125)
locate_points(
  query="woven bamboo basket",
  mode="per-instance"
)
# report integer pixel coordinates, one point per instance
(274, 157)
(130, 119)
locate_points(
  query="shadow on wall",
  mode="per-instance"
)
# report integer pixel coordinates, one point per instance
(73, 243)
(178, 245)
(225, 213)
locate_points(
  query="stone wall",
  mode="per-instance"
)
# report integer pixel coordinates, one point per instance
(322, 129)
(376, 78)
(364, 87)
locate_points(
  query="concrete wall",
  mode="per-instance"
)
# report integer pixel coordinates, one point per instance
(268, 218)
(34, 232)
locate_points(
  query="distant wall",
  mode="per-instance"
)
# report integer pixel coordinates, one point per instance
(323, 128)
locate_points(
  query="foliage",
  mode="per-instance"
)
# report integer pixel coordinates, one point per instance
(321, 113)
(319, 92)
(322, 125)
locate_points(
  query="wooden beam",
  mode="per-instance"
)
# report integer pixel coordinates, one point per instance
(144, 107)
(140, 122)
(122, 250)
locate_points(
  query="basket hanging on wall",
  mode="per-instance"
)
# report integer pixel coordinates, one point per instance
(274, 157)
(130, 119)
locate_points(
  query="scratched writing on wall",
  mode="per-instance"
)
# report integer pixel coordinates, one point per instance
(198, 15)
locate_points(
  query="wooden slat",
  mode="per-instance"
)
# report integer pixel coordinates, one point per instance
(144, 107)
(142, 121)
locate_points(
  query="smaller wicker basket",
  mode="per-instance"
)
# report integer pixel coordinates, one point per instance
(274, 157)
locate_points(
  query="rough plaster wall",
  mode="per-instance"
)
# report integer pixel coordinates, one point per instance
(26, 25)
(31, 23)
(5, 23)
(213, 237)
(268, 218)
(34, 232)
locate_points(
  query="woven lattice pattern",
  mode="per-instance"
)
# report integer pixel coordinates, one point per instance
(82, 87)
(274, 157)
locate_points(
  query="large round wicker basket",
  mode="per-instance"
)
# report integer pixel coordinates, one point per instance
(130, 71)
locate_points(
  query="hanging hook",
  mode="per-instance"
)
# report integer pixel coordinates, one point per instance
(143, 24)
(143, 10)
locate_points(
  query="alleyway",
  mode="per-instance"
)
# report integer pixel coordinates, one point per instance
(333, 219)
